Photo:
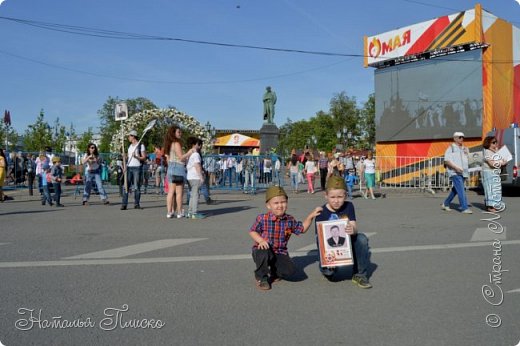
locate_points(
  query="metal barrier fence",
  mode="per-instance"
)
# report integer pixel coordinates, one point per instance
(244, 172)
(425, 173)
(253, 172)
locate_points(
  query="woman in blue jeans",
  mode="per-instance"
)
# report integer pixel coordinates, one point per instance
(92, 161)
(294, 172)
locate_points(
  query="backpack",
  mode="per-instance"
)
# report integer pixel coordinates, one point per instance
(138, 149)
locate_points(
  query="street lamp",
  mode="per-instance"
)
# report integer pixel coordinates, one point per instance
(338, 135)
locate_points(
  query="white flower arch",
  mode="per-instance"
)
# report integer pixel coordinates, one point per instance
(165, 118)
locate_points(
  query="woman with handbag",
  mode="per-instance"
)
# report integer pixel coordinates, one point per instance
(491, 180)
(176, 171)
(92, 161)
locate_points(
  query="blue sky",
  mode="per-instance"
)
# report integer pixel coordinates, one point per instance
(39, 68)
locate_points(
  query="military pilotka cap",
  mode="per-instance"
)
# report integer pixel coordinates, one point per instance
(335, 183)
(274, 191)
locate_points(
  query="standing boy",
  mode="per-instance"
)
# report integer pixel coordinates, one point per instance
(46, 180)
(57, 176)
(271, 232)
(350, 181)
(337, 208)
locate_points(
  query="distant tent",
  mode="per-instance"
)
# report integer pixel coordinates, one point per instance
(237, 140)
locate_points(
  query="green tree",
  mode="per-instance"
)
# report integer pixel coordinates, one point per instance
(38, 135)
(10, 133)
(368, 124)
(345, 113)
(84, 140)
(108, 123)
(59, 137)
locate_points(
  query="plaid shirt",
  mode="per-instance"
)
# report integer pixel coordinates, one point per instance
(276, 230)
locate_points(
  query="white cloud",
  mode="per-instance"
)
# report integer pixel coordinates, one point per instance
(4, 0)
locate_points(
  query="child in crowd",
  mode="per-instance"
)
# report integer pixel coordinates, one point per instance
(337, 208)
(350, 181)
(46, 180)
(271, 232)
(56, 177)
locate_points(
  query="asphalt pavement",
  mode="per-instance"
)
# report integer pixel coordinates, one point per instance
(96, 275)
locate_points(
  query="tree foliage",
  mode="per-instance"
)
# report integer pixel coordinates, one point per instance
(343, 115)
(40, 135)
(84, 140)
(12, 136)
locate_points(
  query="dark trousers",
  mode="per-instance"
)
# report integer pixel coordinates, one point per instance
(57, 193)
(267, 262)
(30, 177)
(323, 177)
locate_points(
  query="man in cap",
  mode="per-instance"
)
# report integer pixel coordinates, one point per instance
(456, 162)
(134, 172)
(271, 232)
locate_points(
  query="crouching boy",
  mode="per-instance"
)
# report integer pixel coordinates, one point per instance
(337, 208)
(271, 232)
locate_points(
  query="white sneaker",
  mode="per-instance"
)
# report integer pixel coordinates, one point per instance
(169, 215)
(467, 211)
(445, 207)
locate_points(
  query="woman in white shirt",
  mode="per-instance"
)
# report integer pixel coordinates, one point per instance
(369, 170)
(310, 170)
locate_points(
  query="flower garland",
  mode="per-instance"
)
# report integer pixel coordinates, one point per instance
(165, 117)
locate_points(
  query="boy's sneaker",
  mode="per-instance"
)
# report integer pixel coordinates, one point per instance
(445, 207)
(361, 281)
(467, 211)
(169, 215)
(196, 216)
(263, 284)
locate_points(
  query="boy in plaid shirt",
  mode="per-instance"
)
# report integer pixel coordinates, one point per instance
(271, 232)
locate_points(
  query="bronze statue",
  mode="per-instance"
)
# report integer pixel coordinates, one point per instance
(269, 102)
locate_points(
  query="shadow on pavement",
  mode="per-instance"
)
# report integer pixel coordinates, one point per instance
(213, 212)
(31, 211)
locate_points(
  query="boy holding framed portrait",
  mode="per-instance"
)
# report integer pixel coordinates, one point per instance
(339, 242)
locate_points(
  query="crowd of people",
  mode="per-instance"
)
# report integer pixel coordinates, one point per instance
(247, 172)
(175, 166)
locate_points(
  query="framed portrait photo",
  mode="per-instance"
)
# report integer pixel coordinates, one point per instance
(335, 245)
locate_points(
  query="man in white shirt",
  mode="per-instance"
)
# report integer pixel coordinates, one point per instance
(456, 162)
(195, 177)
(136, 154)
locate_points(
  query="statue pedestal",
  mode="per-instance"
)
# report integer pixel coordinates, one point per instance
(269, 135)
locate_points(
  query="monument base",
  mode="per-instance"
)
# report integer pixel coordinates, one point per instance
(269, 135)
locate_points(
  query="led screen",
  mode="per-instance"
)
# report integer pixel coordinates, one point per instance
(430, 99)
